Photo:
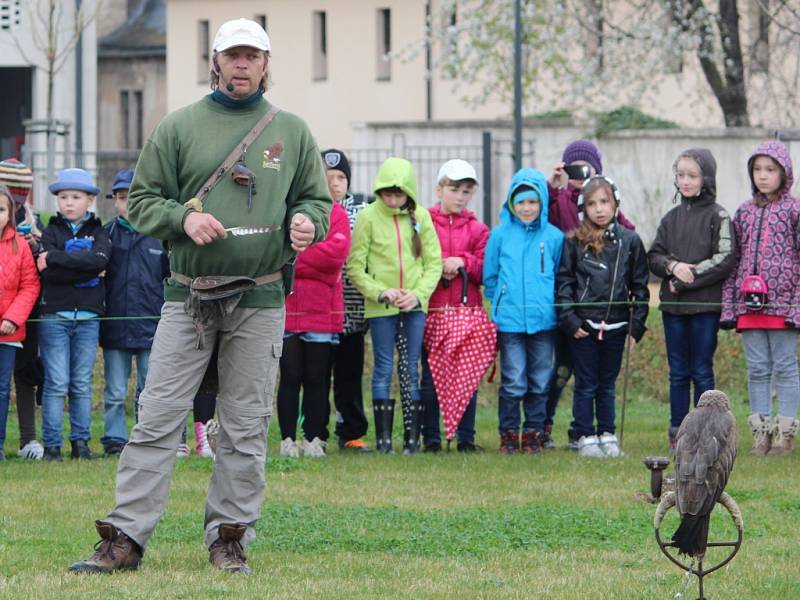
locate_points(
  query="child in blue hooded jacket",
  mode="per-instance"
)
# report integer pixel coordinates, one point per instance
(519, 276)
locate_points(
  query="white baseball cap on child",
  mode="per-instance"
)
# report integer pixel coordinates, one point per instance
(241, 32)
(457, 170)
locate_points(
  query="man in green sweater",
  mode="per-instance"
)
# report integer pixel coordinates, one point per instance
(289, 195)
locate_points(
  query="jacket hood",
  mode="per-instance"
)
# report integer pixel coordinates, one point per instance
(779, 153)
(396, 172)
(533, 179)
(708, 167)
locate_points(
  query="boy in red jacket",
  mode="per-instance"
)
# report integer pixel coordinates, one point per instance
(19, 288)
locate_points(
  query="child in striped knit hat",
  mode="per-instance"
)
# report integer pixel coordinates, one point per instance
(18, 179)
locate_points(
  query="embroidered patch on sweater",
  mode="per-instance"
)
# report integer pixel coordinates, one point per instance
(272, 156)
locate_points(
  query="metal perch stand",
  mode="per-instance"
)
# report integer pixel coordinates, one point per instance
(668, 501)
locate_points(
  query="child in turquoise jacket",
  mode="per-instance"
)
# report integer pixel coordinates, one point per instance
(519, 274)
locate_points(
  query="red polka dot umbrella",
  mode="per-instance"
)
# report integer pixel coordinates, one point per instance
(461, 343)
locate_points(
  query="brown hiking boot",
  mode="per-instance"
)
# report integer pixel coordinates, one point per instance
(227, 553)
(114, 552)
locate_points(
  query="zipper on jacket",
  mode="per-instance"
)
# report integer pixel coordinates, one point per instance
(586, 289)
(595, 263)
(499, 300)
(541, 255)
(613, 282)
(399, 249)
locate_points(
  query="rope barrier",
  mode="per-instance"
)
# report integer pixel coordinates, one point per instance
(505, 305)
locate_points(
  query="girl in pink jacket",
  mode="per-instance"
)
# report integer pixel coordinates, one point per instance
(19, 289)
(314, 320)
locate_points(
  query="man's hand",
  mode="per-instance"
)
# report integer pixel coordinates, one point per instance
(203, 228)
(41, 261)
(7, 327)
(580, 333)
(301, 232)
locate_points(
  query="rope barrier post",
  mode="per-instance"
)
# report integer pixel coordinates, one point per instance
(625, 376)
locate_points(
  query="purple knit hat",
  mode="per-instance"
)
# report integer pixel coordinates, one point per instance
(584, 150)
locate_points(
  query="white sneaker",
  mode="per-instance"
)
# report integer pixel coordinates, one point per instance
(183, 451)
(315, 448)
(290, 448)
(32, 450)
(589, 445)
(609, 445)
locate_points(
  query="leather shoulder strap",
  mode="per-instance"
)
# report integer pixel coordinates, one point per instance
(234, 155)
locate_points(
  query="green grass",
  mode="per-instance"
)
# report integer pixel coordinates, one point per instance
(430, 526)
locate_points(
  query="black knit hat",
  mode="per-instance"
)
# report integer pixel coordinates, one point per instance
(336, 159)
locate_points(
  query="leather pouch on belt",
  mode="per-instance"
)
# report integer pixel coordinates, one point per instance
(219, 287)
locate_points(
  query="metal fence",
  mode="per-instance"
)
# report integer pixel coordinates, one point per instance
(493, 160)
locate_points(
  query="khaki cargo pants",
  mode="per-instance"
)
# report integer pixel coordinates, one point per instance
(250, 343)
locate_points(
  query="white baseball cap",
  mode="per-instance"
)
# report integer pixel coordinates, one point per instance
(241, 32)
(456, 170)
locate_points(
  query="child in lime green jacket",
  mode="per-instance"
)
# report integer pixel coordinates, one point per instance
(395, 262)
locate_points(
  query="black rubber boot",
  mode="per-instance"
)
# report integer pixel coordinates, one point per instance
(411, 424)
(384, 420)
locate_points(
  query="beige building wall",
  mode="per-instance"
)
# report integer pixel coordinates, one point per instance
(352, 94)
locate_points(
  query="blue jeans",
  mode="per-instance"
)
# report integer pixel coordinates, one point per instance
(7, 356)
(117, 369)
(68, 348)
(596, 366)
(526, 366)
(430, 411)
(384, 335)
(691, 342)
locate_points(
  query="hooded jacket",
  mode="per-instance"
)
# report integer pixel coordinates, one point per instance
(19, 283)
(134, 288)
(521, 262)
(767, 243)
(463, 236)
(698, 231)
(317, 303)
(382, 255)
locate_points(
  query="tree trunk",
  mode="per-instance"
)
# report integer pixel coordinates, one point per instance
(729, 87)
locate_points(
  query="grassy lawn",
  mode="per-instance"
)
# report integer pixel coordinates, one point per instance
(485, 526)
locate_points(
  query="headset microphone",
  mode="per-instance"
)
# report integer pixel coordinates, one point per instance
(228, 84)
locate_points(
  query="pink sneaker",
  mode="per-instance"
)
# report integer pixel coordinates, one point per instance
(201, 441)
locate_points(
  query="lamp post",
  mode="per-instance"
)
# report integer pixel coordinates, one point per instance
(517, 84)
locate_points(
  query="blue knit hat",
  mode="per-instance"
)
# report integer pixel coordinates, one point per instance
(74, 179)
(122, 181)
(525, 194)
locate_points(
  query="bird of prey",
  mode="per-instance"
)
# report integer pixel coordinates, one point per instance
(704, 455)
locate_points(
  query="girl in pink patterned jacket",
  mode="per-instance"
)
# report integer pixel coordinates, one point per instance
(761, 297)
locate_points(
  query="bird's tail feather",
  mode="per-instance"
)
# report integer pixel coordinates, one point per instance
(691, 536)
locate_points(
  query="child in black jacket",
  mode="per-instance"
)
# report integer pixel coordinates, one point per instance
(603, 295)
(75, 252)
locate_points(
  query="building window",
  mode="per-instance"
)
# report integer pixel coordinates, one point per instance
(203, 52)
(131, 113)
(384, 44)
(9, 14)
(261, 20)
(320, 65)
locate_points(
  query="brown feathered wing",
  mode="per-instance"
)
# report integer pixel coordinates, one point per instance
(706, 448)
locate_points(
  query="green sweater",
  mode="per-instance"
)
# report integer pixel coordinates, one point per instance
(186, 147)
(382, 255)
